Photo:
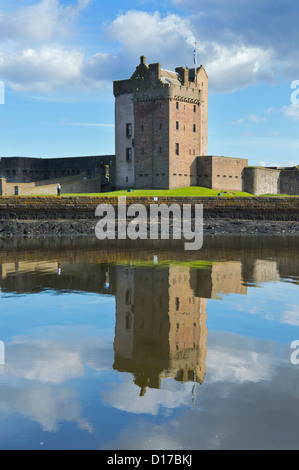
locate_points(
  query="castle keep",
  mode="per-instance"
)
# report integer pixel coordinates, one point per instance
(160, 126)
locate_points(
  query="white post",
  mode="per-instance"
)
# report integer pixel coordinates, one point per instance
(195, 60)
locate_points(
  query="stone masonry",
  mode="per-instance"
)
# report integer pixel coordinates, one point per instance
(166, 126)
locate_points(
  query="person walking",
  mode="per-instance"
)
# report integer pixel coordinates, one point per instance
(58, 189)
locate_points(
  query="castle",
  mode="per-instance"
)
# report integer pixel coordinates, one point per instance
(161, 136)
(160, 126)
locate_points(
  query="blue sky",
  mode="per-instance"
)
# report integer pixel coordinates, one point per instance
(58, 60)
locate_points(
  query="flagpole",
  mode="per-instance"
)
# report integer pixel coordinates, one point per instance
(195, 59)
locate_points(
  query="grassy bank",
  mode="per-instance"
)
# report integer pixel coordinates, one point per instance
(193, 191)
(181, 192)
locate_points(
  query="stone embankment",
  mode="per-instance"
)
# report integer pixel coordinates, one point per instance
(72, 216)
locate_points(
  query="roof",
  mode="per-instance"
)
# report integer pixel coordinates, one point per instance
(170, 77)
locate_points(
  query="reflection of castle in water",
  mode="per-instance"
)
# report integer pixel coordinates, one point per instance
(160, 328)
(160, 325)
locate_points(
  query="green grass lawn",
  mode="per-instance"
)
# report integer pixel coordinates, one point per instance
(181, 192)
(192, 191)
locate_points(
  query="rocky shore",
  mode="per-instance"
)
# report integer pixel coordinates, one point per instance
(75, 228)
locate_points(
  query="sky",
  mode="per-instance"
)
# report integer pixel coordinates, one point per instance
(58, 60)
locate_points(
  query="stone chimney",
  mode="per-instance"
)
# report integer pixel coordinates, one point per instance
(184, 75)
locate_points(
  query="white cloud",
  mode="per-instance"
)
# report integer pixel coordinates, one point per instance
(139, 30)
(291, 111)
(239, 121)
(46, 405)
(33, 58)
(126, 396)
(229, 67)
(239, 365)
(40, 21)
(291, 316)
(43, 68)
(254, 118)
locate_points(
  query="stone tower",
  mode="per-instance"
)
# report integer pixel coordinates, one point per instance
(161, 121)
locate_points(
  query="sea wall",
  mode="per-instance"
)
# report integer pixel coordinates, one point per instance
(83, 208)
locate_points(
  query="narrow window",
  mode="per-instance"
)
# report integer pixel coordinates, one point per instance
(129, 129)
(194, 108)
(128, 321)
(177, 125)
(194, 127)
(128, 297)
(177, 105)
(129, 154)
(177, 149)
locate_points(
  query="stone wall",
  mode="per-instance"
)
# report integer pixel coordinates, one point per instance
(68, 186)
(28, 170)
(289, 182)
(204, 172)
(227, 173)
(152, 144)
(72, 208)
(124, 117)
(184, 132)
(259, 181)
(221, 173)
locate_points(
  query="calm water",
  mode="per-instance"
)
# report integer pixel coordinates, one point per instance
(119, 347)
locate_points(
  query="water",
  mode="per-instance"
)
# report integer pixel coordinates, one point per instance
(137, 347)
